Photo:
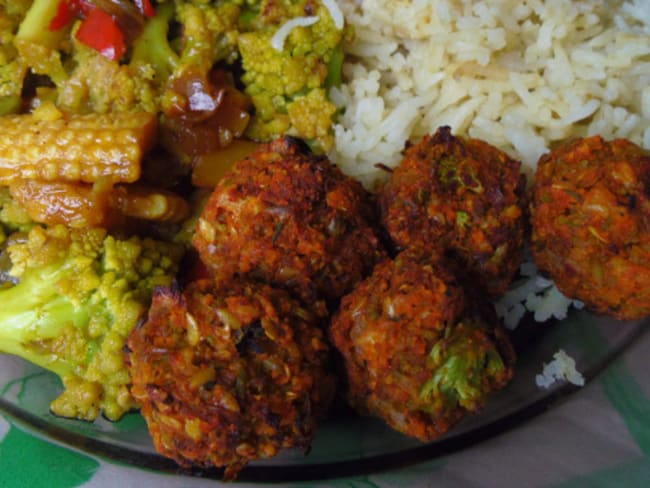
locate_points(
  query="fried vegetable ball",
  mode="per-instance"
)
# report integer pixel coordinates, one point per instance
(290, 218)
(590, 214)
(463, 197)
(416, 352)
(227, 373)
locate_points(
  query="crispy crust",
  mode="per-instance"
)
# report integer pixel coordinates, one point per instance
(229, 373)
(464, 197)
(385, 331)
(290, 218)
(590, 213)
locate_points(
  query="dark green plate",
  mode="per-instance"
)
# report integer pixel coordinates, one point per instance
(346, 444)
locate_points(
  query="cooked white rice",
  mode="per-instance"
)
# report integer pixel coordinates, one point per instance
(521, 75)
(561, 368)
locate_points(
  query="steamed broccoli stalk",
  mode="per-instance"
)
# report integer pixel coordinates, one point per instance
(208, 36)
(35, 25)
(152, 47)
(466, 365)
(78, 296)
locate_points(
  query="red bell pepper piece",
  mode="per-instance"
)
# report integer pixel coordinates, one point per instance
(66, 12)
(100, 31)
(145, 7)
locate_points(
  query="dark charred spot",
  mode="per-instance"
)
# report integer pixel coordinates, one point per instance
(252, 339)
(494, 196)
(310, 8)
(272, 418)
(443, 135)
(296, 145)
(468, 180)
(383, 167)
(277, 231)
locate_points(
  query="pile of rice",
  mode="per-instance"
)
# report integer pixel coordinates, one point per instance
(521, 75)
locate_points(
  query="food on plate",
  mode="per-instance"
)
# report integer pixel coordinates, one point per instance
(79, 205)
(77, 295)
(228, 372)
(291, 56)
(522, 76)
(51, 146)
(419, 350)
(590, 214)
(169, 94)
(292, 219)
(463, 197)
(561, 368)
(171, 58)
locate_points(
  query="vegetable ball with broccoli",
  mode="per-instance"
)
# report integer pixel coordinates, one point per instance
(292, 219)
(418, 351)
(461, 197)
(229, 372)
(70, 299)
(590, 214)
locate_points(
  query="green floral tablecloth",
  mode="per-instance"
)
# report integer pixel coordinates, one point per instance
(599, 436)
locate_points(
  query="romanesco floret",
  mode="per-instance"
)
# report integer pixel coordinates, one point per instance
(208, 35)
(97, 84)
(287, 84)
(12, 71)
(13, 217)
(78, 296)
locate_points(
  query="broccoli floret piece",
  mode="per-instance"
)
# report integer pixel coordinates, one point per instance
(78, 296)
(467, 366)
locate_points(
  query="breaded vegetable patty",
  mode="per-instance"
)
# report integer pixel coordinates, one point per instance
(292, 219)
(229, 373)
(417, 351)
(590, 214)
(463, 197)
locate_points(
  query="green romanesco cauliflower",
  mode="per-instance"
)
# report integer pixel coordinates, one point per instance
(79, 293)
(208, 36)
(83, 80)
(289, 85)
(97, 84)
(12, 71)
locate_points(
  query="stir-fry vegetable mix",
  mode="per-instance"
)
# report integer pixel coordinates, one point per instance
(99, 56)
(112, 112)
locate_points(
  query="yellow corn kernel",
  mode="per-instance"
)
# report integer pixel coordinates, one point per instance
(75, 148)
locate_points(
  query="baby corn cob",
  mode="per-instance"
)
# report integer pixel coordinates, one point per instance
(72, 204)
(153, 204)
(75, 148)
(100, 205)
